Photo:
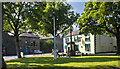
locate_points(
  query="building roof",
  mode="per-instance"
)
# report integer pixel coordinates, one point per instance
(74, 33)
(27, 34)
(50, 36)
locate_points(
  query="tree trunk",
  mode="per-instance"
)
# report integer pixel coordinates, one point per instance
(18, 47)
(1, 9)
(71, 40)
(118, 44)
(3, 64)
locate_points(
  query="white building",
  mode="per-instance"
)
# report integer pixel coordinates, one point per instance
(90, 43)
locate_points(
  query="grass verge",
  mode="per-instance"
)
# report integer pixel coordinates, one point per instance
(84, 62)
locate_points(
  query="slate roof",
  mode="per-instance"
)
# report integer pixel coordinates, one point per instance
(29, 35)
(47, 37)
(74, 33)
(50, 36)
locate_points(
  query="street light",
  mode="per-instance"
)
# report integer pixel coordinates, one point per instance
(55, 53)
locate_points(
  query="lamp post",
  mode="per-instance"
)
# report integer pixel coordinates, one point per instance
(55, 53)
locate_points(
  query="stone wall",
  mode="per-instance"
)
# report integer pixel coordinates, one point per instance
(30, 43)
(9, 44)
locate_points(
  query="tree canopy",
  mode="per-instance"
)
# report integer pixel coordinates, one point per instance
(14, 19)
(101, 18)
(15, 15)
(44, 22)
(37, 17)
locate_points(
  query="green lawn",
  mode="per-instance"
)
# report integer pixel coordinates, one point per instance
(47, 62)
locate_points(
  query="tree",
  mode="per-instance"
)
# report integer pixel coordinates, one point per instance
(64, 18)
(72, 19)
(14, 17)
(3, 64)
(46, 45)
(101, 18)
(43, 21)
(35, 17)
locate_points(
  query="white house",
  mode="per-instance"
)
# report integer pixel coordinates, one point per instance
(90, 43)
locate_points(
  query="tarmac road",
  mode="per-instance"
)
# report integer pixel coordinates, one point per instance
(30, 55)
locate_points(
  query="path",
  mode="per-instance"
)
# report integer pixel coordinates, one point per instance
(31, 55)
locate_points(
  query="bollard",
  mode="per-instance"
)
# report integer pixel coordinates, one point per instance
(21, 54)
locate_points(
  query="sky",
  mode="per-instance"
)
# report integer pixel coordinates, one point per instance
(78, 7)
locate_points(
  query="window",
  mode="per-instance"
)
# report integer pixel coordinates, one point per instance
(87, 37)
(65, 47)
(79, 38)
(87, 47)
(34, 43)
(81, 46)
(76, 47)
(76, 38)
(31, 44)
(26, 43)
(67, 39)
(115, 47)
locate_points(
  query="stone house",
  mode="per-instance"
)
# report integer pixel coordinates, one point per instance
(89, 43)
(28, 43)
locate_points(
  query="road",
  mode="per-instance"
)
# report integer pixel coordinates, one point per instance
(31, 55)
(35, 55)
(106, 53)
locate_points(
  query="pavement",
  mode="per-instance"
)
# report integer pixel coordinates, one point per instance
(36, 55)
(106, 53)
(30, 55)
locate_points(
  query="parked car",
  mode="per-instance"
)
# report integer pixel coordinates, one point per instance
(37, 52)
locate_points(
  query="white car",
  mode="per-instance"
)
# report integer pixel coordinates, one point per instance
(37, 52)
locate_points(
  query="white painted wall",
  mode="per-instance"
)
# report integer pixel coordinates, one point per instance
(82, 43)
(92, 39)
(105, 43)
